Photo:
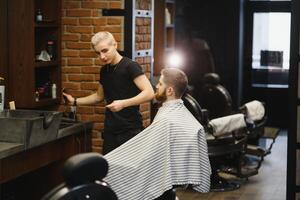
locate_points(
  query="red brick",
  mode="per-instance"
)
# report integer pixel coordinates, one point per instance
(80, 61)
(70, 53)
(85, 110)
(81, 77)
(112, 29)
(70, 4)
(70, 21)
(70, 70)
(97, 62)
(96, 13)
(146, 122)
(147, 21)
(79, 13)
(63, 77)
(90, 86)
(99, 22)
(139, 21)
(70, 85)
(90, 70)
(94, 5)
(145, 107)
(85, 38)
(80, 29)
(115, 5)
(114, 21)
(100, 110)
(88, 54)
(117, 37)
(77, 93)
(63, 62)
(94, 118)
(70, 37)
(97, 77)
(98, 126)
(96, 134)
(97, 142)
(146, 115)
(86, 21)
(97, 149)
(78, 45)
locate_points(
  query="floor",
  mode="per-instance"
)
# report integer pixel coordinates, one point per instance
(269, 184)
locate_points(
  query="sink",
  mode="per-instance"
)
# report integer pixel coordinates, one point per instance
(29, 127)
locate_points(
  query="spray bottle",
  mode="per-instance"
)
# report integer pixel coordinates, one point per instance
(2, 90)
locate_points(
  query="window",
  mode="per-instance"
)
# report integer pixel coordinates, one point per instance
(271, 49)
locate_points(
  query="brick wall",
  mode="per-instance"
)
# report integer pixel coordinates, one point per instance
(80, 66)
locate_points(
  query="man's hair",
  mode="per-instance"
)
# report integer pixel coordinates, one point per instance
(101, 36)
(175, 78)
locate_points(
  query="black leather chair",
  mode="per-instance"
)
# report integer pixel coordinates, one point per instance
(214, 97)
(217, 100)
(83, 174)
(219, 148)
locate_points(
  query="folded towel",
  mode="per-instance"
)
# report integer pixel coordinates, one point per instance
(224, 125)
(255, 110)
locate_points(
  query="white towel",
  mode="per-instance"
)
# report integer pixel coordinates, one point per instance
(171, 151)
(255, 110)
(225, 125)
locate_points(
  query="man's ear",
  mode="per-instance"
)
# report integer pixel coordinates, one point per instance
(169, 91)
(116, 45)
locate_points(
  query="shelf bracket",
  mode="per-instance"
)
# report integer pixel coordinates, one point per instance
(113, 12)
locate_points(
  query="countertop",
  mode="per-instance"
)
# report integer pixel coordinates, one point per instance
(8, 149)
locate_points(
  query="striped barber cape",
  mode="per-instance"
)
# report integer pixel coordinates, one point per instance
(172, 151)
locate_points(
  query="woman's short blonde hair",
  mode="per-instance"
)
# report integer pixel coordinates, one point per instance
(101, 36)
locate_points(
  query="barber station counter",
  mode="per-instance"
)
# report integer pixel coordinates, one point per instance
(29, 173)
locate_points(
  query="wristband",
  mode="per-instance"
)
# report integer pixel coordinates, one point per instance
(75, 102)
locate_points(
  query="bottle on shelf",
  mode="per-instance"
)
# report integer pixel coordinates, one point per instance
(39, 15)
(167, 16)
(53, 91)
(50, 47)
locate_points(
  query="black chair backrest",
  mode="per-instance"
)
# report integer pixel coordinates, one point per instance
(193, 106)
(83, 174)
(214, 97)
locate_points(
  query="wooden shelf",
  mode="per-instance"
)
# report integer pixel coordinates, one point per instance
(45, 63)
(164, 33)
(27, 74)
(46, 102)
(46, 25)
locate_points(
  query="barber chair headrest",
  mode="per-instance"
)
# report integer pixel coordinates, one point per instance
(193, 106)
(226, 125)
(84, 168)
(216, 99)
(254, 110)
(211, 78)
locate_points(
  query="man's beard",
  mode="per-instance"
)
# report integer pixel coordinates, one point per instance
(161, 97)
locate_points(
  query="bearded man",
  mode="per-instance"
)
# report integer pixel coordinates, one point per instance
(171, 152)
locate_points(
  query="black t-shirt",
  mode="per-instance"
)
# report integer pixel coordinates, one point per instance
(117, 82)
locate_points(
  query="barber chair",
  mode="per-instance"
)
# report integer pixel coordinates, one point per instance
(83, 174)
(217, 100)
(214, 97)
(228, 147)
(256, 118)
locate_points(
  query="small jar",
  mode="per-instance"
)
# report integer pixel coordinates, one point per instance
(39, 15)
